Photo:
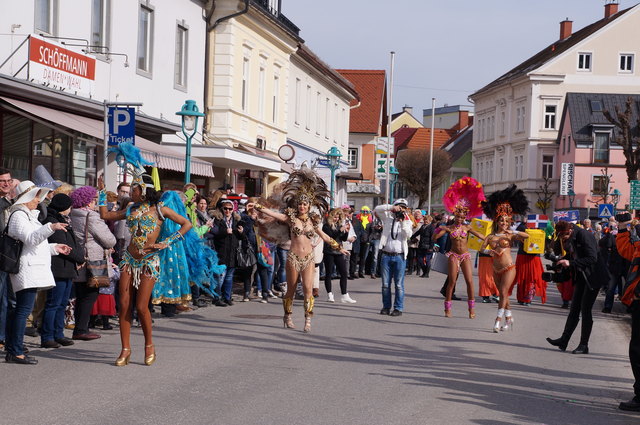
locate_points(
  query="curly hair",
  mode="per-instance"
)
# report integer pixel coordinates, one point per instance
(83, 196)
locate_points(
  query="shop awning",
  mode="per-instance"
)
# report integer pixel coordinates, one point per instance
(164, 157)
(226, 157)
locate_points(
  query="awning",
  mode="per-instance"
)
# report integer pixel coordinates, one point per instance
(163, 157)
(226, 157)
(350, 175)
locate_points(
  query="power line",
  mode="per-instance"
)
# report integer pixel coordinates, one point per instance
(433, 88)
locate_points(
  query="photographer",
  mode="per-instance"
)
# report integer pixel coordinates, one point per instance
(630, 250)
(582, 261)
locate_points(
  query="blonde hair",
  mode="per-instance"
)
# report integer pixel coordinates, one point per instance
(64, 188)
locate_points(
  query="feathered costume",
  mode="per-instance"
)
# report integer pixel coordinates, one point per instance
(186, 260)
(465, 195)
(506, 202)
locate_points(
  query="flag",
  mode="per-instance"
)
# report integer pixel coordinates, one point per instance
(156, 178)
(537, 221)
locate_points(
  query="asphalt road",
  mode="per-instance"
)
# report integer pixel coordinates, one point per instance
(237, 365)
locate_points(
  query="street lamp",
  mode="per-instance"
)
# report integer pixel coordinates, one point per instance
(190, 114)
(615, 198)
(333, 157)
(393, 180)
(572, 197)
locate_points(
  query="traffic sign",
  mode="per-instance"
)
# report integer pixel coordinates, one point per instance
(381, 166)
(323, 162)
(122, 125)
(605, 210)
(634, 201)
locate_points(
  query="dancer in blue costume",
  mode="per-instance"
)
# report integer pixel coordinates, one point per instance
(156, 254)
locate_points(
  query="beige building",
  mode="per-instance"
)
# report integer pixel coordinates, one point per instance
(517, 116)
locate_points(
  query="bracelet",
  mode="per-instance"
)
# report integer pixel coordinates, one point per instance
(172, 239)
(334, 245)
(102, 198)
(257, 206)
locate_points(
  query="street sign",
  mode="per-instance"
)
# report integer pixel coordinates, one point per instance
(381, 166)
(384, 145)
(323, 162)
(566, 178)
(634, 201)
(122, 125)
(605, 210)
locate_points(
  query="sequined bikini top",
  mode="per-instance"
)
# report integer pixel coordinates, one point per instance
(141, 224)
(299, 227)
(500, 242)
(458, 233)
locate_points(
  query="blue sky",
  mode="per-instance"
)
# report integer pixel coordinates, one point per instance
(444, 49)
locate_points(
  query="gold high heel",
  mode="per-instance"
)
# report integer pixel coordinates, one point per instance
(124, 360)
(307, 325)
(151, 358)
(288, 322)
(287, 304)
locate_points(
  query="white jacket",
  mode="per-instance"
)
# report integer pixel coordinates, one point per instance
(35, 261)
(384, 213)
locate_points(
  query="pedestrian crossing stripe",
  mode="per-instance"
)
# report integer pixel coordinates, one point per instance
(605, 211)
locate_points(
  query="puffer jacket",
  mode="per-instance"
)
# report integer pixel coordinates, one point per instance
(99, 237)
(35, 260)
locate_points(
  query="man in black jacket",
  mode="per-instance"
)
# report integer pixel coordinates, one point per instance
(5, 287)
(583, 263)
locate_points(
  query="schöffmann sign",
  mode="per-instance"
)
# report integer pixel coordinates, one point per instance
(60, 67)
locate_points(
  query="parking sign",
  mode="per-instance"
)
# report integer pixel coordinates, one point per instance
(122, 125)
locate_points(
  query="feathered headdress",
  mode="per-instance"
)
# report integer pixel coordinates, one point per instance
(466, 196)
(129, 157)
(305, 185)
(506, 202)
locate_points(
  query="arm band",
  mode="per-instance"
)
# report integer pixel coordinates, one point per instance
(333, 244)
(173, 238)
(102, 198)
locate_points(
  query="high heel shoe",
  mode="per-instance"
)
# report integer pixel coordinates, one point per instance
(151, 358)
(496, 326)
(124, 360)
(288, 322)
(447, 309)
(508, 325)
(472, 311)
(307, 325)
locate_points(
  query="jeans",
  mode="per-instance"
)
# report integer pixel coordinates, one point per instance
(280, 271)
(53, 317)
(392, 268)
(616, 283)
(4, 302)
(17, 320)
(226, 283)
(263, 278)
(373, 253)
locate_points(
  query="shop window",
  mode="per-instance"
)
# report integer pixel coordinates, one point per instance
(42, 147)
(16, 138)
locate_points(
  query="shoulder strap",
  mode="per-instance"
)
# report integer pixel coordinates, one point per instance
(6, 228)
(86, 237)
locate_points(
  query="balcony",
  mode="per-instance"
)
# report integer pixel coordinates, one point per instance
(279, 17)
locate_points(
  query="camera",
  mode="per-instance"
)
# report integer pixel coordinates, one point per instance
(623, 217)
(400, 215)
(555, 272)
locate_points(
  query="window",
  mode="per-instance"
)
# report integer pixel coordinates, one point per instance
(334, 126)
(490, 176)
(182, 40)
(308, 120)
(520, 117)
(352, 157)
(568, 143)
(501, 169)
(626, 62)
(145, 39)
(596, 106)
(503, 119)
(276, 93)
(584, 61)
(318, 111)
(519, 166)
(601, 147)
(296, 110)
(261, 88)
(245, 84)
(492, 127)
(261, 143)
(564, 144)
(599, 184)
(550, 117)
(45, 11)
(327, 118)
(100, 25)
(547, 166)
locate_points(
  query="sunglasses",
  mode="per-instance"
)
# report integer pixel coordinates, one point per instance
(228, 209)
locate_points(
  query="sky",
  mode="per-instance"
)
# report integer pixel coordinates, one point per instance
(445, 49)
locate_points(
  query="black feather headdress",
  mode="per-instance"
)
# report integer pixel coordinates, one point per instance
(506, 202)
(304, 184)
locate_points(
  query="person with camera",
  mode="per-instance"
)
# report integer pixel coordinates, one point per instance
(630, 251)
(396, 231)
(581, 258)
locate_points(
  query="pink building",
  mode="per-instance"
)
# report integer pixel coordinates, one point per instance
(587, 140)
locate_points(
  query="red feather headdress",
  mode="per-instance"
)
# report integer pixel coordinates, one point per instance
(464, 195)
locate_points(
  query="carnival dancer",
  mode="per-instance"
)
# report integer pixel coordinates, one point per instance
(463, 199)
(302, 191)
(500, 207)
(528, 273)
(163, 256)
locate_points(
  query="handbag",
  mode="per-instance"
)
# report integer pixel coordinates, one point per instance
(440, 263)
(97, 271)
(245, 255)
(10, 251)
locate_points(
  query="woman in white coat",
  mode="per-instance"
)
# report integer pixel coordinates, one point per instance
(35, 264)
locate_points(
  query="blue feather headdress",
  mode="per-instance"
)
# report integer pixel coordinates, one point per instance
(129, 157)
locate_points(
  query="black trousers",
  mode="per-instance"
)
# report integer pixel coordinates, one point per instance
(85, 298)
(581, 304)
(341, 265)
(634, 346)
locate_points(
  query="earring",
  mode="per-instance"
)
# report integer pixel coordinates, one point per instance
(143, 197)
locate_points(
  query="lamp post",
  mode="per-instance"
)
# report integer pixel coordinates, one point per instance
(572, 197)
(615, 198)
(190, 114)
(393, 180)
(333, 156)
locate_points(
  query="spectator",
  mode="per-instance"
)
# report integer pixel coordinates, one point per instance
(228, 228)
(5, 203)
(374, 240)
(424, 251)
(35, 265)
(336, 228)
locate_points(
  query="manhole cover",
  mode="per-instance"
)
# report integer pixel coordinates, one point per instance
(257, 316)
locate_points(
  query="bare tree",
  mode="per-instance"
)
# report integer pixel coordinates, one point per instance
(626, 138)
(545, 195)
(413, 170)
(601, 193)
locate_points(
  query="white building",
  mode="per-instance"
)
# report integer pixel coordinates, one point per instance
(517, 116)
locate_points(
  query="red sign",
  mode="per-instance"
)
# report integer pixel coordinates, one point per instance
(65, 60)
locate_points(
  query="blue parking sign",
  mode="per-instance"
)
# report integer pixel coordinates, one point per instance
(122, 125)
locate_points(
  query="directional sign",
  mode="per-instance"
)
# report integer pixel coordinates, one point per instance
(323, 162)
(605, 210)
(122, 125)
(385, 144)
(634, 201)
(381, 166)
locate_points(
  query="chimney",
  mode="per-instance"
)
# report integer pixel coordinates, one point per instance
(408, 109)
(565, 29)
(463, 119)
(610, 9)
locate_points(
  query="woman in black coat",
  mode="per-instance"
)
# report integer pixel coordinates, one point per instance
(64, 268)
(334, 228)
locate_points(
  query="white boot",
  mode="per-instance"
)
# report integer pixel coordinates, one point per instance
(330, 297)
(347, 299)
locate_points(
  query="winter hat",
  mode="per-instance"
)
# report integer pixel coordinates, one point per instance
(60, 202)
